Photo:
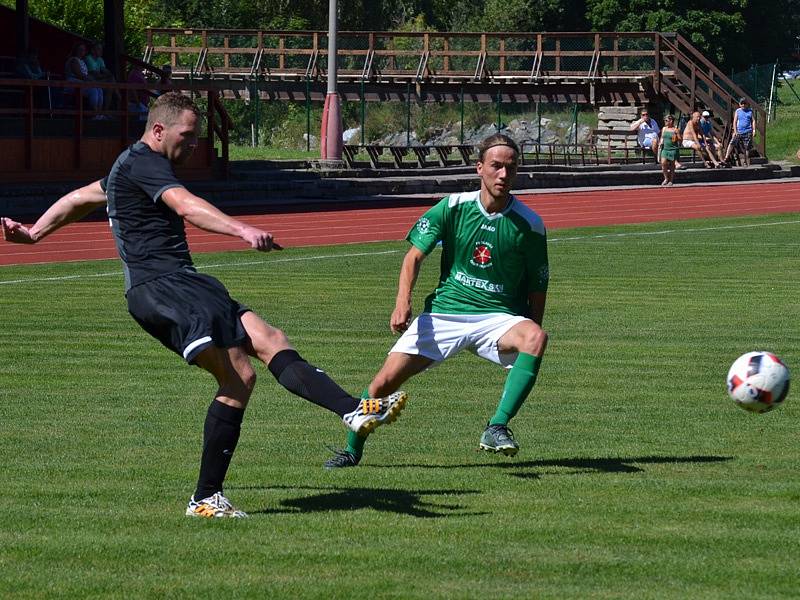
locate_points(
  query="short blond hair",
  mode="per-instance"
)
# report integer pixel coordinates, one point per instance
(168, 107)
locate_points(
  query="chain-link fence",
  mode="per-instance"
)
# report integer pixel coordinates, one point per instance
(759, 82)
(413, 122)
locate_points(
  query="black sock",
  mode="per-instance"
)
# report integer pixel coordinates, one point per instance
(311, 383)
(220, 435)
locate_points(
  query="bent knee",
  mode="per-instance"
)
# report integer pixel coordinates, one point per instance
(267, 341)
(248, 378)
(534, 341)
(240, 382)
(275, 339)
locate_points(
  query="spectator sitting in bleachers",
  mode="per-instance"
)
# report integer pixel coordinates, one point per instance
(100, 72)
(165, 81)
(711, 142)
(138, 100)
(692, 137)
(648, 131)
(75, 69)
(28, 67)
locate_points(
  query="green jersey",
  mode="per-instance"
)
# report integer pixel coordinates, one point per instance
(490, 262)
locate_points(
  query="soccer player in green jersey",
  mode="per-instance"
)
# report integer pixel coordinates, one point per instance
(490, 297)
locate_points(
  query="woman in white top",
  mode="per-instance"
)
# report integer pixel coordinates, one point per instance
(75, 69)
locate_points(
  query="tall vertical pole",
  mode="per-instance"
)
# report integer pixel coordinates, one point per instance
(114, 29)
(772, 91)
(408, 113)
(331, 134)
(575, 123)
(363, 114)
(538, 124)
(22, 27)
(499, 117)
(462, 113)
(256, 97)
(308, 115)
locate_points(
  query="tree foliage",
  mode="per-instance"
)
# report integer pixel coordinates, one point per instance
(715, 27)
(531, 15)
(733, 33)
(85, 17)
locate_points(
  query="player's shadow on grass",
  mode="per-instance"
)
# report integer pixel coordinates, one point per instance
(404, 502)
(576, 466)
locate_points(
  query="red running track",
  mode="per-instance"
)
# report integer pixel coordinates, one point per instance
(92, 240)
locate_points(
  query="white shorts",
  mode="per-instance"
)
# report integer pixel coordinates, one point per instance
(690, 143)
(439, 336)
(649, 140)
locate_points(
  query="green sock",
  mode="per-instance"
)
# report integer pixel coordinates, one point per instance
(519, 384)
(355, 443)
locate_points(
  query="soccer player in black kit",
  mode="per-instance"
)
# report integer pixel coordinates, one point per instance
(189, 312)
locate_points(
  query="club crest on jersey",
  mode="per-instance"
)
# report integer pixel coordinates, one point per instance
(482, 255)
(423, 225)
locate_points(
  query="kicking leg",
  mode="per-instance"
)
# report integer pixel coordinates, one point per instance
(270, 345)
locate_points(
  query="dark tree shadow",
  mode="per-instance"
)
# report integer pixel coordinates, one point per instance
(576, 466)
(405, 502)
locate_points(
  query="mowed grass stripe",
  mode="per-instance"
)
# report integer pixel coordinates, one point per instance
(637, 477)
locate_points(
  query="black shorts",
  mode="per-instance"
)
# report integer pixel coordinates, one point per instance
(188, 312)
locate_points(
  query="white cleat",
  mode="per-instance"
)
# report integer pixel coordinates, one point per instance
(216, 506)
(372, 412)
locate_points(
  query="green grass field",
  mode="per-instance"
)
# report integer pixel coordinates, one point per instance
(637, 477)
(783, 131)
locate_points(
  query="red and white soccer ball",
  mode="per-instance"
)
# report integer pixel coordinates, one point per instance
(758, 381)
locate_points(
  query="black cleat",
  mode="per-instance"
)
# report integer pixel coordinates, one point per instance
(342, 459)
(499, 439)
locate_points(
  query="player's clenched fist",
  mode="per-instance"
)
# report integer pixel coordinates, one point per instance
(260, 240)
(16, 232)
(400, 319)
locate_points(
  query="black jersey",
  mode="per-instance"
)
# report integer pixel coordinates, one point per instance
(150, 236)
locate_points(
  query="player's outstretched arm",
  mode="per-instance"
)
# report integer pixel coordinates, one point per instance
(71, 207)
(205, 215)
(409, 271)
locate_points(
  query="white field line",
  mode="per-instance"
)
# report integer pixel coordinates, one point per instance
(668, 231)
(384, 252)
(209, 266)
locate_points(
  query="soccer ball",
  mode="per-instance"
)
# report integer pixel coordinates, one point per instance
(758, 381)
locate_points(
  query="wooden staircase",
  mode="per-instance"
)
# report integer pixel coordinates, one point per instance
(689, 81)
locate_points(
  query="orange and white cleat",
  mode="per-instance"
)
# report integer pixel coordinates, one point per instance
(216, 506)
(372, 412)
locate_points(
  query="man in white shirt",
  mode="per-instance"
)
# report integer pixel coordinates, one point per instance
(649, 134)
